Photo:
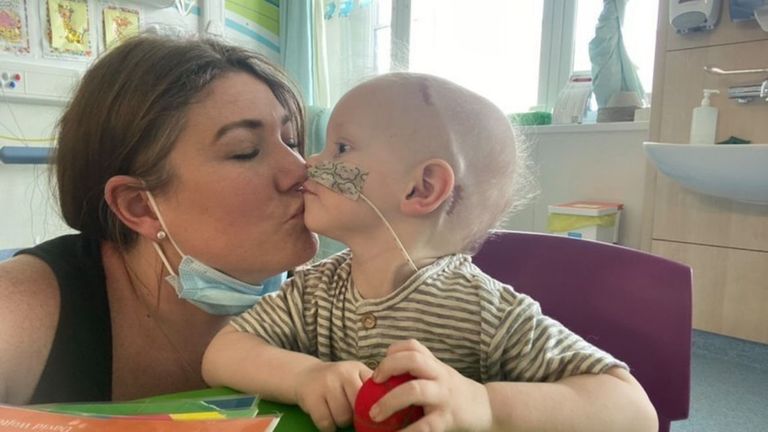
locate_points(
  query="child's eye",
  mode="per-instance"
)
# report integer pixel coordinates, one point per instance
(342, 148)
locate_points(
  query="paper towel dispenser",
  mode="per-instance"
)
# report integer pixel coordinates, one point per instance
(693, 15)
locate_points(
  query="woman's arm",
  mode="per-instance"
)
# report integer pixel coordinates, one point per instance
(29, 313)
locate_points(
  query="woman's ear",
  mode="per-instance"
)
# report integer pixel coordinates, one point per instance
(432, 185)
(127, 199)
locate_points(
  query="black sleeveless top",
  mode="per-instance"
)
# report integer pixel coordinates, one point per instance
(79, 365)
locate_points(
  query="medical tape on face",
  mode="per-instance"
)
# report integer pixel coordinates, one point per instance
(348, 180)
(339, 177)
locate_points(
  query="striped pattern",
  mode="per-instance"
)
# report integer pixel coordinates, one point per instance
(255, 24)
(475, 324)
(265, 13)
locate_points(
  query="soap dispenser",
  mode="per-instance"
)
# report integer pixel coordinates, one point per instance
(704, 122)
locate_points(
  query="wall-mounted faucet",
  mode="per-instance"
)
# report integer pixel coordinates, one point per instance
(745, 93)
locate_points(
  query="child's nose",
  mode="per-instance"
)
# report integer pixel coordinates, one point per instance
(313, 159)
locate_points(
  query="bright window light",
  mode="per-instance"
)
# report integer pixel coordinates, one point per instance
(489, 46)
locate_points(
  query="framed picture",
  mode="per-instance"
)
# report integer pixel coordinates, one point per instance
(119, 23)
(14, 33)
(68, 29)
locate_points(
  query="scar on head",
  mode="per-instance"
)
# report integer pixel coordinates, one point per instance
(426, 95)
(455, 198)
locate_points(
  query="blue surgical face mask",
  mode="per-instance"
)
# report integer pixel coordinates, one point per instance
(208, 288)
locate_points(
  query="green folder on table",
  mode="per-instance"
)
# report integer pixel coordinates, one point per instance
(229, 403)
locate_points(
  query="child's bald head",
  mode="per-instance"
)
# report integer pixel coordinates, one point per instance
(421, 117)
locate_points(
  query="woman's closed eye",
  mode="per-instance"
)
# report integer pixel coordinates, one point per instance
(246, 156)
(292, 143)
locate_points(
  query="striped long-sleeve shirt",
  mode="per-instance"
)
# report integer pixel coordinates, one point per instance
(470, 321)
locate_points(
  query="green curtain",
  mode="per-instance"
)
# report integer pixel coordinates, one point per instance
(297, 33)
(612, 69)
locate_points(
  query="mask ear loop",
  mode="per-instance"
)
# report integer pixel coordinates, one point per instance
(155, 244)
(392, 231)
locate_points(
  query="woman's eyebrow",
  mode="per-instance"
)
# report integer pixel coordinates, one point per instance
(240, 124)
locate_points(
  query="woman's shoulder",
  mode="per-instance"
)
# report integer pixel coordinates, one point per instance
(27, 281)
(29, 309)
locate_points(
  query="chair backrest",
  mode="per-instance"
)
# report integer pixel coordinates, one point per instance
(632, 304)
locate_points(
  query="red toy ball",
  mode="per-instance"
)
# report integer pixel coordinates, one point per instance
(370, 393)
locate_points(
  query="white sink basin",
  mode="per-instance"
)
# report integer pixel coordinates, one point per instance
(734, 171)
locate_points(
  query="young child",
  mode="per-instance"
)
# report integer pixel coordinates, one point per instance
(415, 172)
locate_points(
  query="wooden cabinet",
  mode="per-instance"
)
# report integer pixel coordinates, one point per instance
(730, 294)
(725, 242)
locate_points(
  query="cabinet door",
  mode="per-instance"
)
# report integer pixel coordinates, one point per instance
(730, 288)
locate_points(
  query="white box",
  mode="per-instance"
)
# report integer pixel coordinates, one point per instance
(591, 220)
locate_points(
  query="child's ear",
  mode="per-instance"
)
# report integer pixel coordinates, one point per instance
(126, 198)
(433, 184)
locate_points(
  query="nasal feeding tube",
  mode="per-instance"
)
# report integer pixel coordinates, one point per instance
(348, 180)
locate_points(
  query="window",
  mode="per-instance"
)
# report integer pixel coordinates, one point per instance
(519, 54)
(489, 46)
(516, 53)
(382, 35)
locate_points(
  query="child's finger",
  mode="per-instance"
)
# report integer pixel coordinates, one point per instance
(340, 408)
(321, 416)
(416, 363)
(416, 392)
(408, 345)
(352, 385)
(364, 374)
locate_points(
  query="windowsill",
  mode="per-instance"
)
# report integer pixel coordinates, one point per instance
(587, 127)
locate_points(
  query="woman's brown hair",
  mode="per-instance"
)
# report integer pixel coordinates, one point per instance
(128, 112)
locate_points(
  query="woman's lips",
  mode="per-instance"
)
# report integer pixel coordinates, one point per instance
(298, 213)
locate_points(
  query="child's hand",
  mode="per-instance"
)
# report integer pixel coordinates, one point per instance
(450, 401)
(327, 391)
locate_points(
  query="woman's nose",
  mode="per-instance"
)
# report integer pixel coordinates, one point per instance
(291, 170)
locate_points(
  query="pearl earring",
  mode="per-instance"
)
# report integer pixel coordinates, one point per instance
(161, 235)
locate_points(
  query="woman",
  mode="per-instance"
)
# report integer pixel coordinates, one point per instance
(178, 162)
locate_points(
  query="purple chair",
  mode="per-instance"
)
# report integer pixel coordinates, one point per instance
(632, 304)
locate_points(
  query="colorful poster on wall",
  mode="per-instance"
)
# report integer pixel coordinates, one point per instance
(14, 36)
(69, 28)
(254, 24)
(119, 24)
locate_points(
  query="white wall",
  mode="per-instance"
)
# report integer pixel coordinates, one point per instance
(28, 208)
(28, 212)
(601, 162)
